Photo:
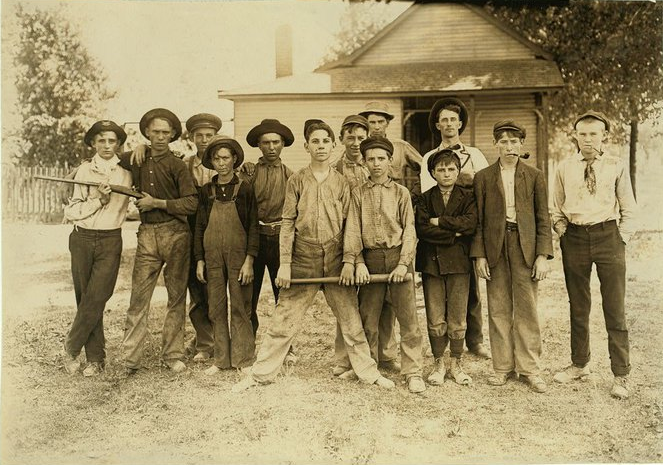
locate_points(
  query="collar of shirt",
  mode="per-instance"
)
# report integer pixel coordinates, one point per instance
(507, 168)
(104, 166)
(579, 157)
(454, 147)
(445, 191)
(388, 183)
(197, 161)
(348, 162)
(160, 157)
(234, 180)
(275, 164)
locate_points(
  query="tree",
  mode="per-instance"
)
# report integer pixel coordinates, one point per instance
(359, 23)
(610, 55)
(60, 88)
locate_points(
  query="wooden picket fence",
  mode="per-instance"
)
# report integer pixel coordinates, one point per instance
(33, 200)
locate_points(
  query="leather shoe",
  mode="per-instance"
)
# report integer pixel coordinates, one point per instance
(535, 382)
(385, 382)
(416, 385)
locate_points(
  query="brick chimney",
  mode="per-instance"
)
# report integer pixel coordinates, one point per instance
(283, 51)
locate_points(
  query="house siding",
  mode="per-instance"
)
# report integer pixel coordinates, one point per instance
(438, 33)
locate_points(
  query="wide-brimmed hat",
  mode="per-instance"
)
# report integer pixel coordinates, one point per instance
(594, 115)
(222, 141)
(377, 107)
(204, 120)
(267, 126)
(376, 142)
(509, 125)
(103, 126)
(439, 105)
(161, 113)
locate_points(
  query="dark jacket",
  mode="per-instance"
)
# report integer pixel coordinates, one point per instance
(440, 251)
(531, 214)
(247, 210)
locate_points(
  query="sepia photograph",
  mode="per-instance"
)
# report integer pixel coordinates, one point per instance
(331, 232)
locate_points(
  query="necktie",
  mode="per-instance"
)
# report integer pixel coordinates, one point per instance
(590, 176)
(445, 197)
(453, 147)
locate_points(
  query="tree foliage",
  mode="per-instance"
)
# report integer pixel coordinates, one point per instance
(610, 55)
(61, 88)
(359, 23)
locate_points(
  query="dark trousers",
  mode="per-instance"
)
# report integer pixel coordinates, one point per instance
(199, 312)
(95, 261)
(268, 256)
(602, 245)
(474, 331)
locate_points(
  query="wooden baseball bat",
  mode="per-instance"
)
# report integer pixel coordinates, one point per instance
(375, 278)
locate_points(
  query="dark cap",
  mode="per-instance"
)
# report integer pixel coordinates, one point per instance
(438, 106)
(161, 113)
(379, 108)
(509, 125)
(222, 141)
(593, 115)
(103, 126)
(434, 159)
(376, 142)
(355, 119)
(268, 126)
(311, 125)
(203, 120)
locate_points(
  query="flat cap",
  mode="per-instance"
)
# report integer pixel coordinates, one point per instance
(433, 159)
(509, 125)
(161, 113)
(311, 125)
(593, 115)
(438, 106)
(203, 120)
(355, 119)
(267, 126)
(222, 141)
(376, 142)
(103, 126)
(377, 107)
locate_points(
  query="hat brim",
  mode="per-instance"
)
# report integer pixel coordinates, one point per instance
(253, 137)
(365, 114)
(214, 146)
(434, 113)
(161, 113)
(88, 139)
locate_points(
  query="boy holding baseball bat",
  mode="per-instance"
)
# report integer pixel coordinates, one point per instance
(311, 245)
(380, 238)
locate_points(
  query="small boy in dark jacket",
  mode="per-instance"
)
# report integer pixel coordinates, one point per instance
(225, 243)
(445, 221)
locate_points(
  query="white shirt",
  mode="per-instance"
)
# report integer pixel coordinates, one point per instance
(508, 176)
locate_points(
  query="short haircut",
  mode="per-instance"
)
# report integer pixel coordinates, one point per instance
(170, 123)
(351, 127)
(449, 106)
(443, 157)
(317, 126)
(592, 117)
(497, 135)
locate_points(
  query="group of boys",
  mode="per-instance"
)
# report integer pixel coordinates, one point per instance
(354, 227)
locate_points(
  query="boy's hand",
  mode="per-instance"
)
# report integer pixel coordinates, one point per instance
(560, 228)
(246, 272)
(248, 169)
(138, 155)
(398, 274)
(148, 203)
(200, 271)
(540, 268)
(483, 270)
(347, 275)
(104, 191)
(434, 221)
(362, 276)
(283, 276)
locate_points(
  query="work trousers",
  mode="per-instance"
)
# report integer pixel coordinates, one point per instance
(95, 261)
(158, 244)
(446, 307)
(199, 310)
(513, 322)
(474, 319)
(314, 260)
(268, 257)
(602, 245)
(371, 301)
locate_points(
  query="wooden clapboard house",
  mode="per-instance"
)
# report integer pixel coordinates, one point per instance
(430, 51)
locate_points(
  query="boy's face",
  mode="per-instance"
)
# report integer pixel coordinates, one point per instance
(508, 146)
(106, 144)
(378, 161)
(223, 161)
(201, 138)
(270, 145)
(378, 124)
(352, 139)
(159, 132)
(590, 134)
(445, 174)
(319, 145)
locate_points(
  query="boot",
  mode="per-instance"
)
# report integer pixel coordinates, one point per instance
(436, 378)
(457, 373)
